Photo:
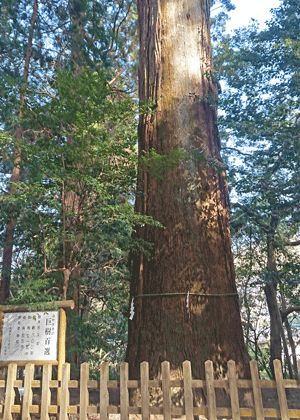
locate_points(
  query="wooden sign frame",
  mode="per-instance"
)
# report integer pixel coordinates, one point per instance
(62, 327)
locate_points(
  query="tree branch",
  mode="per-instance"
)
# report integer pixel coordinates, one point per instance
(254, 216)
(292, 243)
(286, 312)
(52, 290)
(44, 238)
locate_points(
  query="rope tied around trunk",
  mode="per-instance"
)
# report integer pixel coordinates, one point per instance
(188, 294)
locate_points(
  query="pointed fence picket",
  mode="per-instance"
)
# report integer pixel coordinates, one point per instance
(84, 391)
(210, 390)
(258, 402)
(46, 393)
(83, 410)
(165, 370)
(233, 389)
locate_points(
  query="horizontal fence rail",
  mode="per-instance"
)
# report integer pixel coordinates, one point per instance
(54, 396)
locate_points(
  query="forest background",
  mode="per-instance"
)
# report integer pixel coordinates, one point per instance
(68, 109)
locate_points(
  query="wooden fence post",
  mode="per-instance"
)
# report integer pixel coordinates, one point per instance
(210, 390)
(281, 390)
(2, 369)
(27, 397)
(144, 368)
(46, 393)
(258, 403)
(61, 351)
(234, 396)
(10, 392)
(124, 394)
(64, 394)
(61, 354)
(84, 392)
(12, 407)
(188, 393)
(104, 396)
(165, 370)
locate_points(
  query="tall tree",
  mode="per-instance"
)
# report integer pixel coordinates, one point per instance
(184, 303)
(15, 175)
(78, 159)
(55, 36)
(261, 121)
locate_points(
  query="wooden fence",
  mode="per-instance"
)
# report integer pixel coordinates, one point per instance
(47, 388)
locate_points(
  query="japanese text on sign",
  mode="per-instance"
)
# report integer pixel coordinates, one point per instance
(30, 336)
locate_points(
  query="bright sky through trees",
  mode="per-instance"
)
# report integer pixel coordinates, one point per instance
(257, 9)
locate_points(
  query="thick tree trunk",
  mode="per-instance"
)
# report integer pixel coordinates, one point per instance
(193, 252)
(10, 227)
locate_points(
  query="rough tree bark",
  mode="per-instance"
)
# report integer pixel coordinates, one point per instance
(71, 190)
(290, 337)
(277, 336)
(15, 176)
(270, 293)
(193, 252)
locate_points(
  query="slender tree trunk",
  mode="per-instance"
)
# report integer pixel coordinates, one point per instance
(275, 336)
(290, 337)
(270, 292)
(15, 176)
(276, 326)
(71, 200)
(295, 374)
(192, 253)
(72, 207)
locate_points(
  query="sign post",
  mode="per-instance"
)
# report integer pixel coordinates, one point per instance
(61, 341)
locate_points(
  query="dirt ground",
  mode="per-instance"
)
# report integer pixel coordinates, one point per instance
(270, 400)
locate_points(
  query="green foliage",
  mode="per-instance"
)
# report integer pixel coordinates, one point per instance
(157, 165)
(226, 4)
(100, 333)
(72, 205)
(259, 127)
(260, 123)
(219, 17)
(101, 155)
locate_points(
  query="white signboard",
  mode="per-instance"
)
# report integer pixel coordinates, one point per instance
(30, 336)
